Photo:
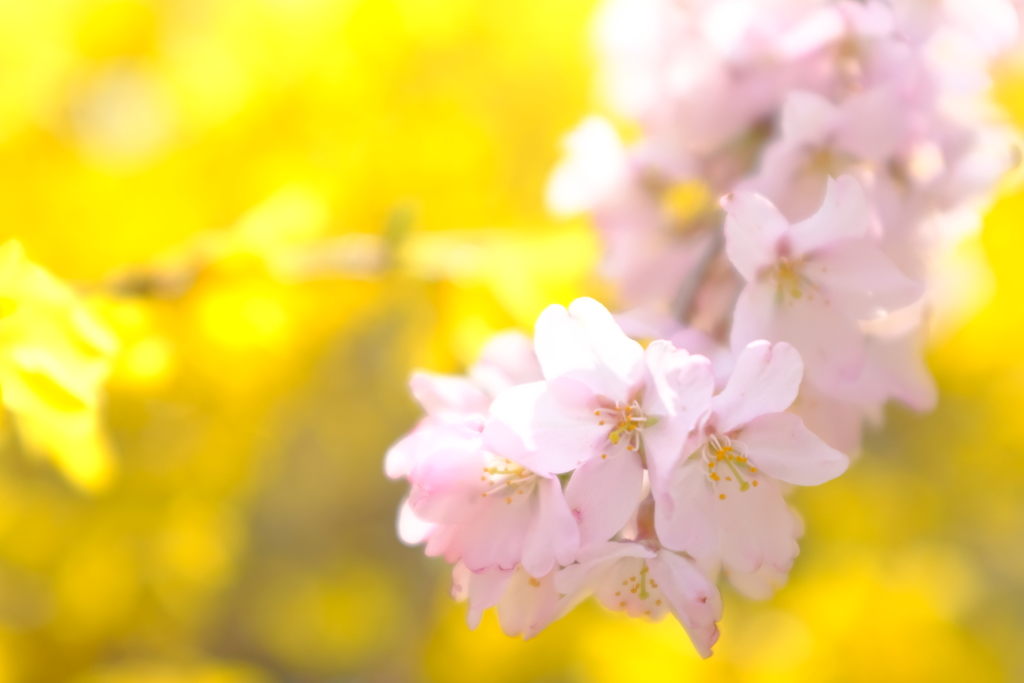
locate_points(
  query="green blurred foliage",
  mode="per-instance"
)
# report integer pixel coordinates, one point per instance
(248, 536)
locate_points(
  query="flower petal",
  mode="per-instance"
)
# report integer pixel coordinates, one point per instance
(861, 279)
(604, 493)
(755, 526)
(444, 394)
(495, 535)
(761, 584)
(766, 379)
(695, 601)
(684, 516)
(843, 215)
(446, 483)
(807, 118)
(547, 427)
(781, 446)
(553, 535)
(752, 228)
(830, 343)
(528, 605)
(678, 393)
(411, 529)
(483, 589)
(586, 344)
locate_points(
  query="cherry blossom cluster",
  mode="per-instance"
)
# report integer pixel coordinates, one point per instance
(590, 465)
(777, 98)
(772, 232)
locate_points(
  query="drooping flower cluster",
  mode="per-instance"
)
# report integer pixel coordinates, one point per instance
(800, 165)
(665, 480)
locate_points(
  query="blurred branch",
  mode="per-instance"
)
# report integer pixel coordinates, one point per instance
(686, 296)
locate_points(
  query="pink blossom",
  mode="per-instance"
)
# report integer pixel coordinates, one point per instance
(643, 579)
(506, 360)
(603, 399)
(526, 604)
(723, 502)
(820, 139)
(810, 283)
(489, 511)
(894, 369)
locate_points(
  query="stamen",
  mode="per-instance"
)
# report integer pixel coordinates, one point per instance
(643, 583)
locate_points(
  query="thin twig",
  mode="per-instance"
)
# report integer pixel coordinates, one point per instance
(685, 299)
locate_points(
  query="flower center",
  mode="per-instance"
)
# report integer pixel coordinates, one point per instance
(726, 460)
(628, 420)
(789, 279)
(508, 479)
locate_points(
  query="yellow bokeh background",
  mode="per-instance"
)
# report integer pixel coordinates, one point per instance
(277, 208)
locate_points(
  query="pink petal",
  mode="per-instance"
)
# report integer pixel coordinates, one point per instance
(755, 526)
(686, 521)
(496, 533)
(411, 529)
(861, 279)
(585, 343)
(898, 365)
(483, 589)
(402, 456)
(807, 118)
(528, 605)
(443, 394)
(553, 535)
(547, 427)
(752, 229)
(508, 359)
(604, 492)
(830, 343)
(838, 423)
(695, 601)
(578, 580)
(766, 379)
(781, 446)
(761, 584)
(678, 394)
(843, 215)
(874, 125)
(446, 483)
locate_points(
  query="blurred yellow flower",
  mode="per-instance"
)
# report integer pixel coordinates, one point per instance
(54, 358)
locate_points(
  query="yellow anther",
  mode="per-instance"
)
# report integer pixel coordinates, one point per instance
(754, 482)
(714, 475)
(657, 602)
(721, 496)
(508, 500)
(534, 582)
